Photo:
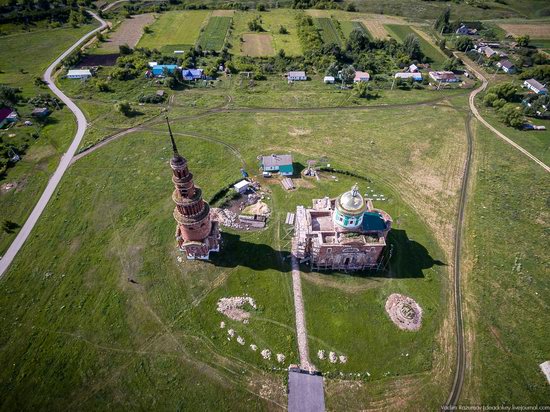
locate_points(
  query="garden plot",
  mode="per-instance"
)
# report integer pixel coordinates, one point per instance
(129, 32)
(535, 31)
(400, 33)
(257, 44)
(175, 30)
(376, 29)
(213, 36)
(348, 26)
(329, 33)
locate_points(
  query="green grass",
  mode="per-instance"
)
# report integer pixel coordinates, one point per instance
(32, 172)
(272, 20)
(213, 36)
(507, 284)
(535, 142)
(400, 33)
(348, 26)
(173, 29)
(329, 33)
(543, 44)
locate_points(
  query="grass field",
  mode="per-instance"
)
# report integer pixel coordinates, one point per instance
(328, 31)
(400, 32)
(174, 29)
(533, 30)
(543, 44)
(257, 44)
(507, 287)
(215, 32)
(348, 26)
(81, 314)
(32, 173)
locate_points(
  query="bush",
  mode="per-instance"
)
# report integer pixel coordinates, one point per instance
(102, 86)
(283, 30)
(123, 107)
(490, 99)
(125, 50)
(511, 115)
(151, 98)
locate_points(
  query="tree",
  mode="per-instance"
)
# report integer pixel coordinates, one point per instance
(442, 22)
(255, 24)
(412, 47)
(451, 64)
(505, 91)
(523, 41)
(100, 37)
(511, 115)
(260, 7)
(358, 41)
(123, 107)
(9, 96)
(39, 82)
(124, 49)
(464, 43)
(332, 70)
(351, 7)
(361, 89)
(170, 82)
(283, 30)
(102, 86)
(490, 99)
(347, 74)
(8, 226)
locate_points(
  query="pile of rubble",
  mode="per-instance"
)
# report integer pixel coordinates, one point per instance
(332, 356)
(232, 307)
(404, 312)
(227, 218)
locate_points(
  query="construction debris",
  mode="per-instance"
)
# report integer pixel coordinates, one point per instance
(404, 312)
(232, 307)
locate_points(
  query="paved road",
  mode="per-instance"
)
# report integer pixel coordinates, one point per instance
(65, 159)
(474, 110)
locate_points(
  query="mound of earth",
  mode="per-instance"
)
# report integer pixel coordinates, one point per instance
(232, 307)
(404, 312)
(258, 208)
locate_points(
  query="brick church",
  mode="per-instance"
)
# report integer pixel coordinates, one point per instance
(196, 233)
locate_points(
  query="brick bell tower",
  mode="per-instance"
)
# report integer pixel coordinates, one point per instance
(196, 233)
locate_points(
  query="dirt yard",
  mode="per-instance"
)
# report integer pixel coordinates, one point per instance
(129, 32)
(257, 45)
(535, 31)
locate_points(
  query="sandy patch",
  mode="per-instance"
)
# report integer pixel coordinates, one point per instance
(535, 31)
(257, 44)
(129, 32)
(295, 131)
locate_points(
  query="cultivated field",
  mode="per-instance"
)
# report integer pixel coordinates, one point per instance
(535, 31)
(348, 26)
(376, 29)
(257, 44)
(400, 33)
(129, 32)
(328, 31)
(175, 30)
(213, 35)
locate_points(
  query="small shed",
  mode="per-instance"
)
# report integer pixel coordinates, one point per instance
(159, 69)
(79, 74)
(152, 64)
(361, 77)
(40, 112)
(278, 163)
(242, 186)
(328, 79)
(296, 76)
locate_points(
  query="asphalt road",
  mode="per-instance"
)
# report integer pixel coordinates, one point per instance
(26, 230)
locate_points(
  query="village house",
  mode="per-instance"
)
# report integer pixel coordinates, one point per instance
(7, 115)
(361, 77)
(487, 51)
(329, 79)
(507, 66)
(79, 74)
(159, 70)
(535, 86)
(278, 163)
(444, 77)
(296, 76)
(40, 112)
(346, 233)
(465, 30)
(192, 74)
(406, 75)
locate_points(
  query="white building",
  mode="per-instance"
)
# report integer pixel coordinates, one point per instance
(535, 86)
(361, 77)
(241, 186)
(296, 76)
(329, 80)
(79, 74)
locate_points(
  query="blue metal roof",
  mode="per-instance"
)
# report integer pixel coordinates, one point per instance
(159, 68)
(373, 221)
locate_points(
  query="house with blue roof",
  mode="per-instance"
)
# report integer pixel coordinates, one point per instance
(192, 74)
(160, 70)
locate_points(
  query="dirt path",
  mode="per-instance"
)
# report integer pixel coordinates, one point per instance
(301, 332)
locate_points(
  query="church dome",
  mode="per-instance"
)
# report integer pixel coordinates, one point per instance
(351, 203)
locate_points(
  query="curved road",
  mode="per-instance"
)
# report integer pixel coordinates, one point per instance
(65, 159)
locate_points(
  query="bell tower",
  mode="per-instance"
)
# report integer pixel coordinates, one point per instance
(196, 233)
